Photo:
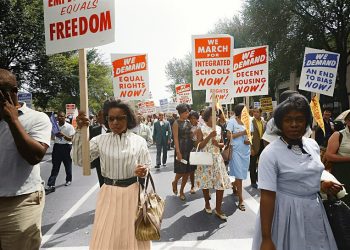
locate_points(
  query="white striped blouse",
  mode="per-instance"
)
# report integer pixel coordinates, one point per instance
(119, 155)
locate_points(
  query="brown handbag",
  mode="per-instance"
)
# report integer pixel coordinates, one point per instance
(227, 153)
(149, 214)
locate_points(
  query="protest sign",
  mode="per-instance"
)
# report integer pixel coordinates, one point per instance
(256, 105)
(146, 107)
(25, 97)
(245, 118)
(224, 96)
(212, 61)
(163, 103)
(266, 104)
(317, 113)
(319, 71)
(172, 107)
(250, 71)
(78, 24)
(130, 76)
(70, 109)
(183, 93)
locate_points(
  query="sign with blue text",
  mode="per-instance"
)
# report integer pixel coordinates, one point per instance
(25, 97)
(319, 71)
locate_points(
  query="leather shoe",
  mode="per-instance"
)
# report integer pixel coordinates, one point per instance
(50, 189)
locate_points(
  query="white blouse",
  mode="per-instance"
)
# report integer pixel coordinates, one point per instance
(119, 155)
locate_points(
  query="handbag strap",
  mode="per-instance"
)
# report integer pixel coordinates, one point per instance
(197, 147)
(149, 178)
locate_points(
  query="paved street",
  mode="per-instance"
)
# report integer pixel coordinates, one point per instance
(69, 213)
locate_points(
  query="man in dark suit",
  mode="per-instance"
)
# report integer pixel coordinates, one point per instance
(162, 137)
(257, 147)
(95, 131)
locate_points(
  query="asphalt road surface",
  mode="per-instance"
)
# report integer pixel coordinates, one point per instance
(69, 213)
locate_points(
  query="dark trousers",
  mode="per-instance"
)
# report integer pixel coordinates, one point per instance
(162, 147)
(253, 165)
(60, 153)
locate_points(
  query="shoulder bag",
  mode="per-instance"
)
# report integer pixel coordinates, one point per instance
(227, 152)
(338, 214)
(150, 213)
(201, 158)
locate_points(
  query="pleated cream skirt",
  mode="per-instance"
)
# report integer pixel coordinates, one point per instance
(115, 215)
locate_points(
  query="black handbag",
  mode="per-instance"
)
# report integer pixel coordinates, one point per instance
(338, 214)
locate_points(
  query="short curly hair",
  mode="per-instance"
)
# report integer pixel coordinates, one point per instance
(181, 108)
(238, 109)
(295, 102)
(194, 114)
(206, 114)
(131, 117)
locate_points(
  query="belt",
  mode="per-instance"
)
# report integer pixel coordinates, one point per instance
(120, 182)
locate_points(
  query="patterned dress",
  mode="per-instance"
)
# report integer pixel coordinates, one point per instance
(185, 146)
(214, 176)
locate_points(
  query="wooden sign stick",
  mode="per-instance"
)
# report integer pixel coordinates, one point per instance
(213, 109)
(84, 106)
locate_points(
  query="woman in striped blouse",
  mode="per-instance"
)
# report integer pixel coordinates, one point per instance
(124, 156)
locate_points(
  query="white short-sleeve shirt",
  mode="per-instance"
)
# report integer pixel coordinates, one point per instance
(17, 176)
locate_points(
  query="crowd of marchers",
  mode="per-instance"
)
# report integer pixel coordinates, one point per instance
(283, 162)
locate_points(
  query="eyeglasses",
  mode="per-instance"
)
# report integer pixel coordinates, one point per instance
(119, 118)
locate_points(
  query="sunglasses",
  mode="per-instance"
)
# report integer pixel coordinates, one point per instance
(119, 118)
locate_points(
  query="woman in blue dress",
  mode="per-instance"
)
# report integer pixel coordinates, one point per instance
(239, 162)
(292, 216)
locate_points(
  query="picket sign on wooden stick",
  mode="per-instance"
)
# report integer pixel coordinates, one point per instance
(246, 102)
(84, 106)
(213, 109)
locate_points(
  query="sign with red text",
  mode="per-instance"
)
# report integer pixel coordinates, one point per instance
(70, 109)
(183, 93)
(130, 76)
(224, 96)
(146, 107)
(212, 61)
(319, 72)
(78, 24)
(250, 71)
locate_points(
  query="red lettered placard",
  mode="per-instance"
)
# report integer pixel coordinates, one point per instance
(183, 93)
(212, 61)
(78, 24)
(130, 76)
(250, 71)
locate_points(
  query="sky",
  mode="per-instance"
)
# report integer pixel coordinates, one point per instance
(163, 30)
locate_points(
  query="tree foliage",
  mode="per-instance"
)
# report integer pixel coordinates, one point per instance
(287, 27)
(180, 71)
(53, 80)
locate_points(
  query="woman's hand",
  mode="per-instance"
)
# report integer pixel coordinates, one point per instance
(178, 156)
(246, 142)
(215, 142)
(141, 171)
(82, 120)
(267, 244)
(330, 187)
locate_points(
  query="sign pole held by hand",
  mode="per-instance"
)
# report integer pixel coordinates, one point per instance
(85, 108)
(213, 109)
